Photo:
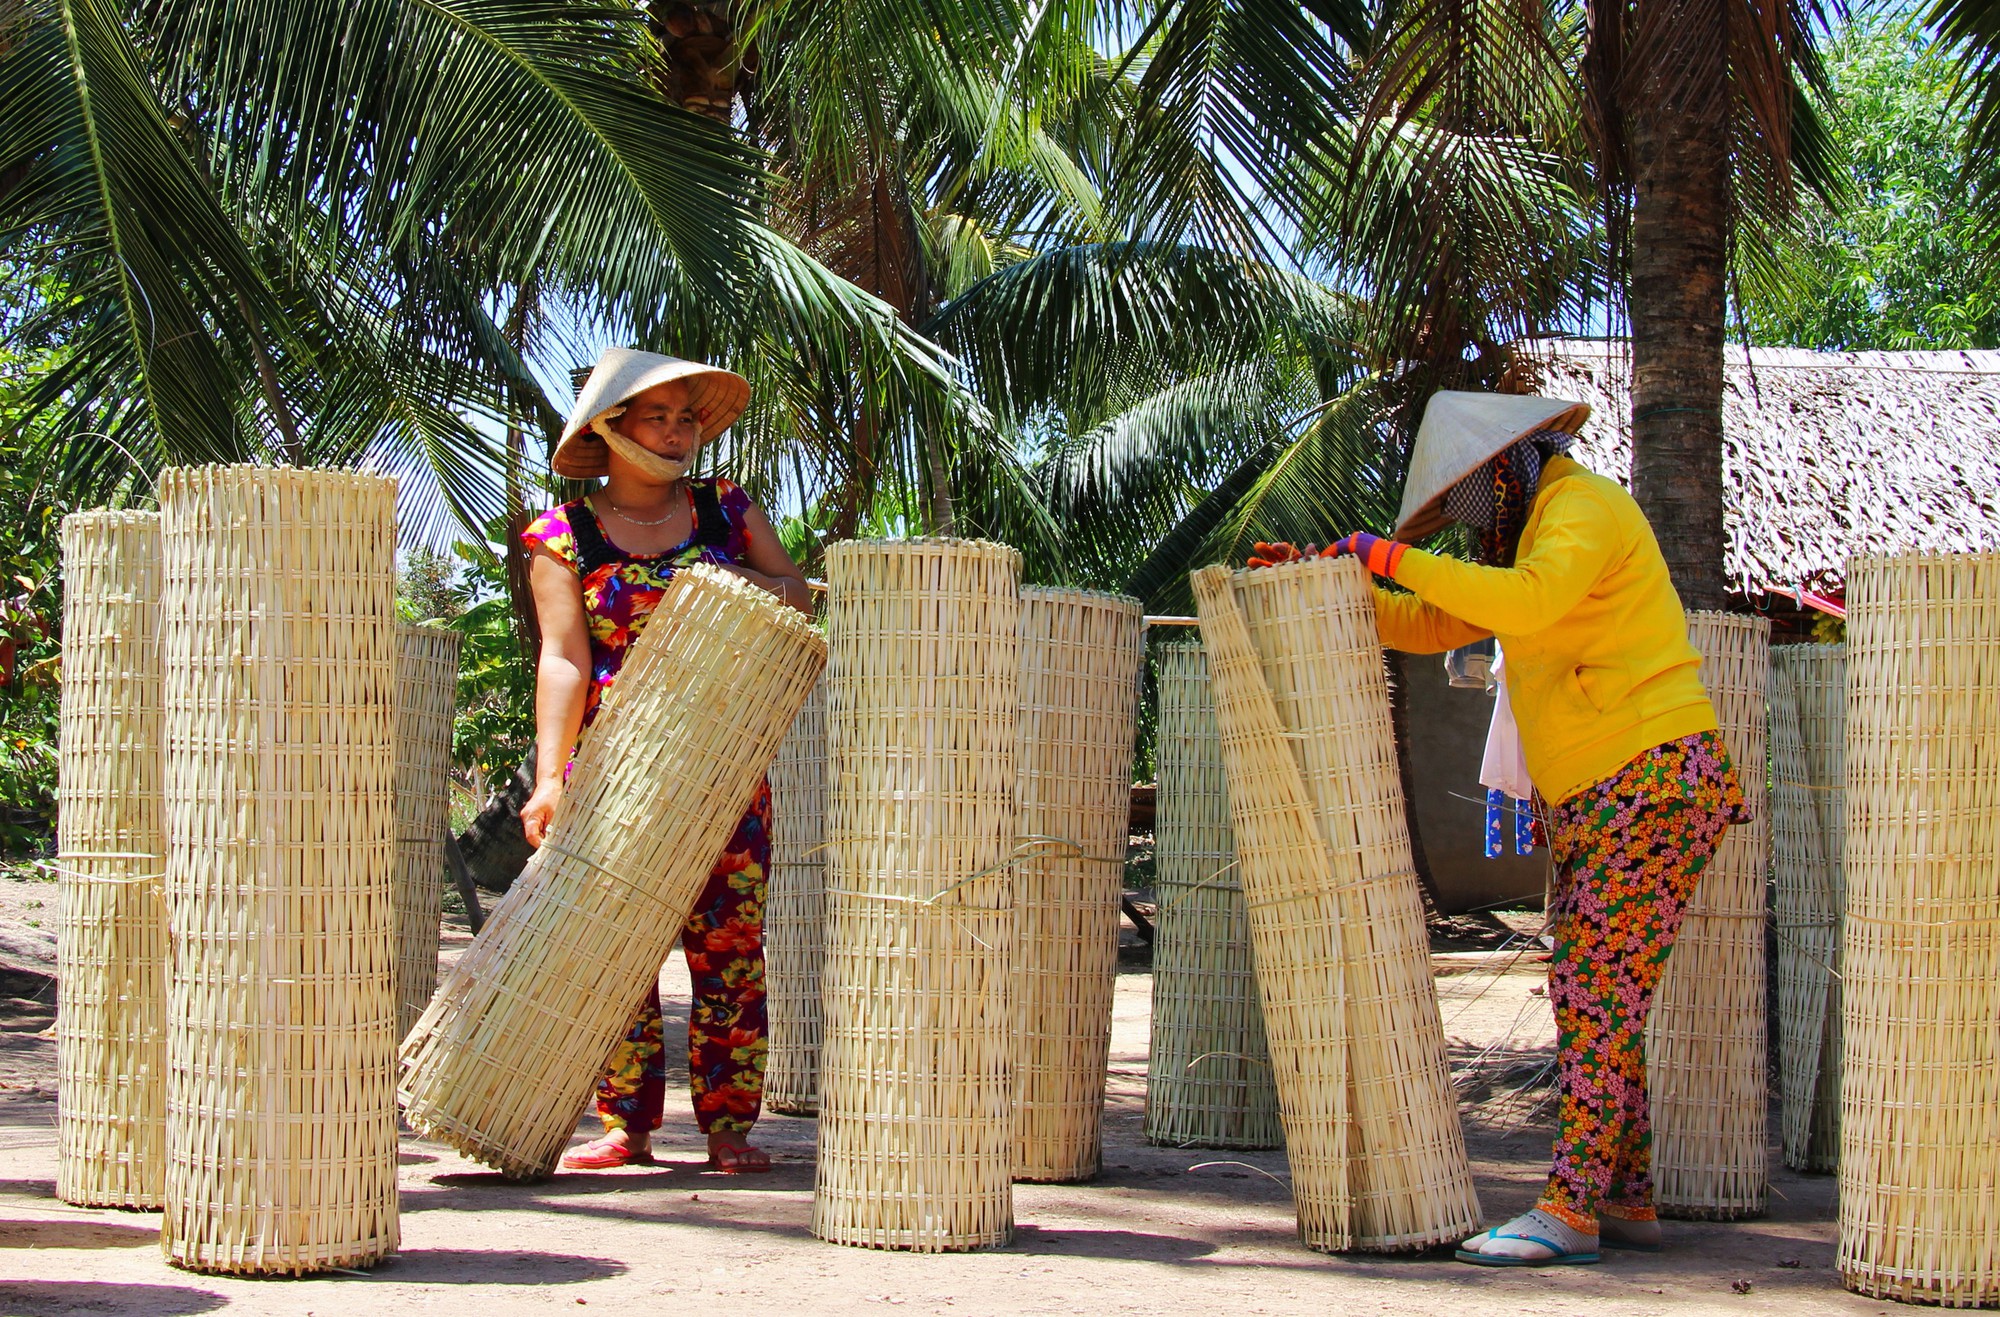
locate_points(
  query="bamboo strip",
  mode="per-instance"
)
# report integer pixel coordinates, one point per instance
(1208, 1073)
(503, 1060)
(1807, 726)
(426, 691)
(1301, 695)
(916, 1120)
(1705, 1038)
(278, 641)
(111, 944)
(1080, 657)
(795, 913)
(1920, 1095)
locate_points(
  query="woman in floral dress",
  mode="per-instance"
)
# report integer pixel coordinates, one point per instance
(599, 566)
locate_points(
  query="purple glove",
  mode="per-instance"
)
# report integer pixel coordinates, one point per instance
(1378, 555)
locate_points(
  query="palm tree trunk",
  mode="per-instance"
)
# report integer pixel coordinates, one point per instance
(1680, 245)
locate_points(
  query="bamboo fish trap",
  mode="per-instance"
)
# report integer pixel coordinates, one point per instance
(1301, 696)
(111, 946)
(279, 650)
(1208, 1073)
(916, 1089)
(1705, 1037)
(795, 913)
(502, 1061)
(1080, 658)
(1920, 1096)
(1808, 728)
(426, 690)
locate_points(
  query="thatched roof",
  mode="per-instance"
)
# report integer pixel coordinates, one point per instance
(1825, 454)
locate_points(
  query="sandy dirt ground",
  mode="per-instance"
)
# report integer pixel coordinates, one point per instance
(1162, 1231)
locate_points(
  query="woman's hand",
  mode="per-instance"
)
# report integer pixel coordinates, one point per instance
(539, 811)
(1270, 555)
(1378, 555)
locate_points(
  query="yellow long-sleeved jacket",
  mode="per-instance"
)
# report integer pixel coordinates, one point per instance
(1599, 668)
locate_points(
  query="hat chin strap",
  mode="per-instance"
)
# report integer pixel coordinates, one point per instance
(659, 468)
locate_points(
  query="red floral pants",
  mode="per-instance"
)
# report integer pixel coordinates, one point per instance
(727, 1031)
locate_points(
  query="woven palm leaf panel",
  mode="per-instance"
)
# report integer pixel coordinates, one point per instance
(1343, 966)
(504, 1058)
(916, 1087)
(278, 635)
(111, 943)
(795, 913)
(1705, 1037)
(1208, 1071)
(1920, 1095)
(426, 692)
(1805, 914)
(1080, 658)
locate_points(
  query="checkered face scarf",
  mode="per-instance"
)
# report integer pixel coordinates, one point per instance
(1493, 501)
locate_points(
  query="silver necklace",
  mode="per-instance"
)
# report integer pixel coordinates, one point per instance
(623, 515)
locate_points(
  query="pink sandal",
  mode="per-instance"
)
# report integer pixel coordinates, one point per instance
(602, 1155)
(736, 1161)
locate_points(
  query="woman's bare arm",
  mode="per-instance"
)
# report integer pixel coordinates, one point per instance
(562, 679)
(767, 564)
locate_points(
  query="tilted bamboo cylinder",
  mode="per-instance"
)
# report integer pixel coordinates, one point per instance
(1920, 1095)
(1208, 1071)
(501, 1063)
(278, 634)
(1808, 701)
(426, 691)
(1343, 965)
(1080, 658)
(916, 1117)
(1705, 1037)
(111, 945)
(795, 913)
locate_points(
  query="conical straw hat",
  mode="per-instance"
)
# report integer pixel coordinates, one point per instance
(1459, 432)
(719, 397)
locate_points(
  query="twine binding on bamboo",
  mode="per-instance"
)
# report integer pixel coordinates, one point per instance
(1705, 1037)
(278, 643)
(1208, 1071)
(501, 1063)
(795, 913)
(426, 692)
(1301, 697)
(111, 942)
(1080, 657)
(916, 1119)
(1920, 1093)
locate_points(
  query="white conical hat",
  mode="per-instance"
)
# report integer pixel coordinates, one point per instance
(719, 397)
(1459, 432)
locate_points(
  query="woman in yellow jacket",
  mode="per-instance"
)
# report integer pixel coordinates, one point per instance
(1620, 739)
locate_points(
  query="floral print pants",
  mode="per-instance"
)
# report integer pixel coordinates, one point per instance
(727, 1032)
(1629, 852)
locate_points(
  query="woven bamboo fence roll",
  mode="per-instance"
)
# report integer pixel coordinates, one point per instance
(111, 943)
(1808, 729)
(916, 1089)
(504, 1058)
(278, 639)
(1336, 918)
(1705, 1037)
(1081, 653)
(1920, 1095)
(426, 692)
(795, 913)
(1208, 1071)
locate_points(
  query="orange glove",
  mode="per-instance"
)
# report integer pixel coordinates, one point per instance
(1270, 555)
(1378, 555)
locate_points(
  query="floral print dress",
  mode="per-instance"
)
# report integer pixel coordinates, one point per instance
(724, 936)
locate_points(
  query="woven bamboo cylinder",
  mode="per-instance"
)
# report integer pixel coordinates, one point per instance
(795, 913)
(278, 634)
(1808, 730)
(1705, 1037)
(916, 1088)
(504, 1058)
(1920, 1095)
(1336, 918)
(426, 691)
(1080, 658)
(111, 944)
(1208, 1071)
